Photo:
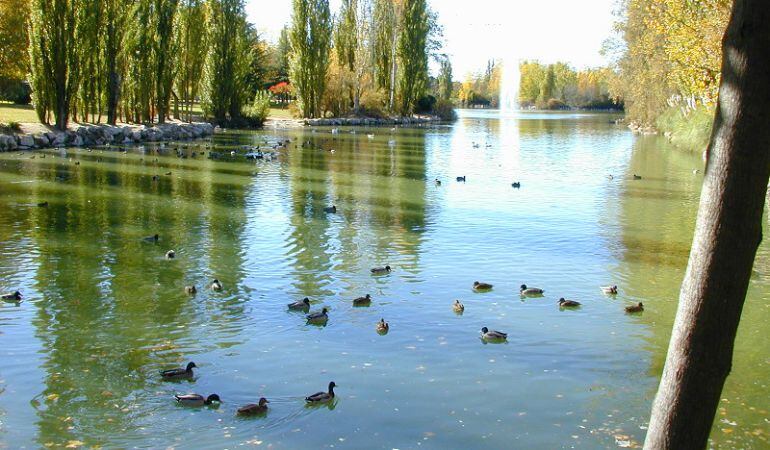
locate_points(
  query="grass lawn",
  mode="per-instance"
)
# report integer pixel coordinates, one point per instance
(279, 113)
(17, 113)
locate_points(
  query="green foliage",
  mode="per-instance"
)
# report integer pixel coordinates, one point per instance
(445, 79)
(685, 127)
(256, 113)
(310, 38)
(14, 58)
(191, 41)
(413, 54)
(445, 110)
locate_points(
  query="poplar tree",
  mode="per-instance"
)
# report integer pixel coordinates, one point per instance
(445, 79)
(191, 39)
(413, 53)
(164, 50)
(310, 38)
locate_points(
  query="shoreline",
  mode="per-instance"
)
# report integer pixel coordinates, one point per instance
(102, 134)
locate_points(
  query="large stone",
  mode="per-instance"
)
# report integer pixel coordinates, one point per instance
(59, 140)
(77, 141)
(41, 140)
(26, 141)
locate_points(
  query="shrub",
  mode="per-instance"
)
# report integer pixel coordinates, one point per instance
(372, 104)
(424, 104)
(555, 104)
(10, 127)
(445, 110)
(685, 127)
(16, 91)
(256, 113)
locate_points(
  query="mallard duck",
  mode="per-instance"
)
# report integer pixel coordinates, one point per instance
(458, 307)
(153, 238)
(318, 317)
(215, 285)
(331, 209)
(516, 185)
(637, 177)
(363, 301)
(197, 399)
(462, 178)
(477, 286)
(610, 290)
(12, 296)
(254, 409)
(639, 307)
(380, 270)
(302, 305)
(168, 174)
(568, 303)
(382, 326)
(530, 291)
(438, 182)
(321, 397)
(179, 372)
(42, 204)
(191, 290)
(492, 335)
(170, 254)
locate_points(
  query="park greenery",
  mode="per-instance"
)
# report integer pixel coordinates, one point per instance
(146, 61)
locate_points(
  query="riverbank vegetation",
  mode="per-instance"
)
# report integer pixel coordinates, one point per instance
(146, 61)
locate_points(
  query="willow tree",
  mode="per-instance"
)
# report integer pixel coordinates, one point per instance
(224, 88)
(191, 40)
(53, 57)
(413, 53)
(728, 232)
(310, 38)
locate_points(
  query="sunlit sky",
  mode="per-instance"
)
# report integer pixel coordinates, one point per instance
(478, 30)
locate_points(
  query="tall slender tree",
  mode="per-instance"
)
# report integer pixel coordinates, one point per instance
(165, 51)
(413, 53)
(112, 48)
(445, 79)
(191, 41)
(310, 38)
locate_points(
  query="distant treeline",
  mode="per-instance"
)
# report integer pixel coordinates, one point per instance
(542, 86)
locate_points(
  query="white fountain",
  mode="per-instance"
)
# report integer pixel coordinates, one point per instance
(509, 85)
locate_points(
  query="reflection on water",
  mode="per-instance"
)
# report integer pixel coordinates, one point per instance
(104, 311)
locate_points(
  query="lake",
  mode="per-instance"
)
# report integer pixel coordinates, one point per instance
(104, 311)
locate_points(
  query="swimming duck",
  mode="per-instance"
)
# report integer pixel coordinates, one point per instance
(438, 182)
(302, 305)
(191, 290)
(42, 204)
(318, 317)
(527, 291)
(331, 209)
(179, 372)
(639, 307)
(168, 173)
(492, 335)
(321, 397)
(380, 270)
(215, 285)
(568, 303)
(254, 409)
(197, 399)
(610, 290)
(12, 296)
(462, 178)
(382, 326)
(153, 238)
(458, 307)
(170, 254)
(363, 301)
(481, 286)
(637, 177)
(516, 185)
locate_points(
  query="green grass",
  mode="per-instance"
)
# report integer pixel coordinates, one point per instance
(279, 113)
(17, 113)
(691, 130)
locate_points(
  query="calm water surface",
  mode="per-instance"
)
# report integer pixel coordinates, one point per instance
(104, 311)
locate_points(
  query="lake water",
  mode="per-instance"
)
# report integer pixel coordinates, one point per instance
(104, 311)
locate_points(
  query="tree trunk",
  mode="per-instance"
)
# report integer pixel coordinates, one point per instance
(727, 234)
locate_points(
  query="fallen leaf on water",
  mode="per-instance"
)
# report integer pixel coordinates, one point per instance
(52, 397)
(75, 444)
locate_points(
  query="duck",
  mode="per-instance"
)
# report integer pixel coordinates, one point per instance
(42, 204)
(477, 286)
(170, 254)
(516, 185)
(610, 290)
(637, 177)
(302, 305)
(215, 285)
(318, 317)
(363, 301)
(492, 335)
(462, 178)
(153, 238)
(197, 399)
(568, 303)
(331, 209)
(382, 326)
(14, 296)
(530, 291)
(639, 307)
(458, 307)
(191, 290)
(321, 397)
(179, 372)
(437, 181)
(254, 409)
(168, 174)
(380, 270)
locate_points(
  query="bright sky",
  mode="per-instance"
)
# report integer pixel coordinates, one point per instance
(478, 30)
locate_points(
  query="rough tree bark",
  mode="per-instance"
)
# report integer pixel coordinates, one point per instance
(727, 234)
